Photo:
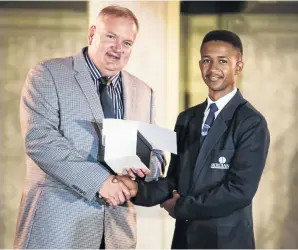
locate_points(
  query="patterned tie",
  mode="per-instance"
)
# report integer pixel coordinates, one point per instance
(210, 119)
(105, 99)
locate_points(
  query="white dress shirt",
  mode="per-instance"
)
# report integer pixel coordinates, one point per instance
(220, 103)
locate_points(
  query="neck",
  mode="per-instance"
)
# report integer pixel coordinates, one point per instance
(216, 95)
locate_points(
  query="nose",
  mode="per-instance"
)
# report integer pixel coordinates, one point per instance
(118, 47)
(213, 66)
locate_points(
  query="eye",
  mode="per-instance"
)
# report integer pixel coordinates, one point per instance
(222, 61)
(127, 44)
(205, 61)
(110, 36)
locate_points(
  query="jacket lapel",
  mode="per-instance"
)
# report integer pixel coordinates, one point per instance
(84, 79)
(216, 131)
(194, 136)
(129, 95)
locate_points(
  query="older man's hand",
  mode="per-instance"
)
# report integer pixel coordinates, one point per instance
(131, 185)
(115, 193)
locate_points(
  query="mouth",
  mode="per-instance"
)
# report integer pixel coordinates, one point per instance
(113, 57)
(213, 77)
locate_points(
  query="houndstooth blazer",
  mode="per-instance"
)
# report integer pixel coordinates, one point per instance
(61, 121)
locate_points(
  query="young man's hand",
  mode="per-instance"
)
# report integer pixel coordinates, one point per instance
(169, 204)
(131, 185)
(137, 172)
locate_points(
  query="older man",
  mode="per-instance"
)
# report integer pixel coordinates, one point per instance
(62, 106)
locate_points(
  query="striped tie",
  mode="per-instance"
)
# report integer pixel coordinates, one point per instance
(105, 99)
(210, 119)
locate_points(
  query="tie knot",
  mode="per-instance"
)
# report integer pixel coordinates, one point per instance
(106, 80)
(213, 108)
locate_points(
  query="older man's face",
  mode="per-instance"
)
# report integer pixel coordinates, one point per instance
(110, 43)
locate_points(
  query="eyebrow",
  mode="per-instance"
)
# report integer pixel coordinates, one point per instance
(218, 56)
(126, 40)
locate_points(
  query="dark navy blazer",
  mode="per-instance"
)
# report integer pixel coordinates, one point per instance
(216, 179)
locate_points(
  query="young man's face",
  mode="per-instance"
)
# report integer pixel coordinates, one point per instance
(110, 43)
(220, 64)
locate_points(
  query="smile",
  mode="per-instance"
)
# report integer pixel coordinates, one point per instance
(113, 57)
(213, 78)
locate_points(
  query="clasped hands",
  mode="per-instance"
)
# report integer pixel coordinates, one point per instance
(120, 188)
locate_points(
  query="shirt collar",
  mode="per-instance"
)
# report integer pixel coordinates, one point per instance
(221, 102)
(96, 74)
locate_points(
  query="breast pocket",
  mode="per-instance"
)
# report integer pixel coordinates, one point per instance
(222, 159)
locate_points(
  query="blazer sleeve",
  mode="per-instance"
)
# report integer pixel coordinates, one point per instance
(241, 182)
(156, 192)
(157, 159)
(43, 142)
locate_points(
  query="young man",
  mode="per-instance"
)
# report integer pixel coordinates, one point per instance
(62, 106)
(222, 150)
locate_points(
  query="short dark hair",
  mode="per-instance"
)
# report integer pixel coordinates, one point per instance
(225, 36)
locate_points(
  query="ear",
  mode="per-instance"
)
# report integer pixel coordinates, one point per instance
(91, 33)
(239, 67)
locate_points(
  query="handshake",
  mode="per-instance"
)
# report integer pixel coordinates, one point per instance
(120, 188)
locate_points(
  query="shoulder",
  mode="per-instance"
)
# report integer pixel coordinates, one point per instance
(248, 117)
(52, 66)
(139, 83)
(57, 64)
(188, 113)
(45, 72)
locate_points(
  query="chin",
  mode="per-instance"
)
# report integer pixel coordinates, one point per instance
(216, 86)
(113, 67)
